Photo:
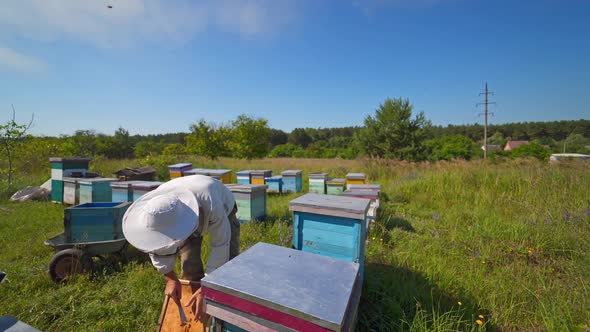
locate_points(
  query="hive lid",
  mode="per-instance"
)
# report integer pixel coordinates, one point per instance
(373, 186)
(146, 185)
(304, 285)
(261, 172)
(181, 165)
(96, 180)
(68, 160)
(336, 181)
(338, 206)
(318, 175)
(246, 188)
(244, 172)
(125, 184)
(356, 176)
(274, 178)
(291, 172)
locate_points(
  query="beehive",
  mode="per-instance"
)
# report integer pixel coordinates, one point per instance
(65, 167)
(244, 177)
(251, 201)
(329, 225)
(259, 176)
(95, 190)
(223, 175)
(94, 222)
(272, 288)
(177, 170)
(355, 178)
(292, 181)
(317, 182)
(275, 184)
(372, 195)
(142, 187)
(123, 191)
(71, 191)
(335, 186)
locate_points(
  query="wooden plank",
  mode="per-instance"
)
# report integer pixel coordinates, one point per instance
(170, 317)
(241, 319)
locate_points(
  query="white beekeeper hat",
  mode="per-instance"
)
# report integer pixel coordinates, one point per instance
(159, 221)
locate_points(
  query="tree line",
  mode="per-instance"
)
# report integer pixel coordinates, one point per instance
(394, 131)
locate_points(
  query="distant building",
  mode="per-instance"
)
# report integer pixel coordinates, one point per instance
(510, 145)
(492, 147)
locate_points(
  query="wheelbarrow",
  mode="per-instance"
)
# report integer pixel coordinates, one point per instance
(75, 258)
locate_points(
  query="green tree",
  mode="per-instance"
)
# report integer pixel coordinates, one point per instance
(250, 137)
(174, 149)
(207, 140)
(449, 147)
(393, 133)
(81, 144)
(11, 135)
(283, 150)
(299, 136)
(146, 148)
(532, 149)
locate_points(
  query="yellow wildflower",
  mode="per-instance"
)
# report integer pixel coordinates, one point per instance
(381, 239)
(459, 303)
(481, 316)
(479, 322)
(530, 251)
(373, 238)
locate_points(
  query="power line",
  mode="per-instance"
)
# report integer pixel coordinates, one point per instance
(485, 114)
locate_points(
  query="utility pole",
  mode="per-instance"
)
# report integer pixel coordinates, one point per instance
(485, 114)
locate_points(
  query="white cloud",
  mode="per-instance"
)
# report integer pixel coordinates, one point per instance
(132, 22)
(13, 60)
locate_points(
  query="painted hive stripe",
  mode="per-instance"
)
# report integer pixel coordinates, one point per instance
(259, 310)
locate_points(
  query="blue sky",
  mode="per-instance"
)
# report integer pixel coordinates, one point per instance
(156, 66)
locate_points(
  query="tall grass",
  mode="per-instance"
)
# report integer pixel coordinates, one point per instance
(454, 240)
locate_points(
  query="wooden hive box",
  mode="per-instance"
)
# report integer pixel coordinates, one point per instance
(272, 288)
(223, 175)
(329, 225)
(244, 177)
(57, 191)
(371, 195)
(335, 186)
(71, 191)
(292, 181)
(317, 182)
(177, 170)
(355, 178)
(259, 176)
(123, 191)
(251, 201)
(66, 167)
(142, 187)
(94, 222)
(95, 190)
(170, 316)
(275, 184)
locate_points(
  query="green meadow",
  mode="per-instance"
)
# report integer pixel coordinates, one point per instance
(458, 246)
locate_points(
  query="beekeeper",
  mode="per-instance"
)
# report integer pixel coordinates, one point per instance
(172, 219)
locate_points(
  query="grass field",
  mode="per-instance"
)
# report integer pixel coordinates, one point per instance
(508, 241)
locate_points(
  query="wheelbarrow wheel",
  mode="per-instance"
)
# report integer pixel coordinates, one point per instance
(69, 263)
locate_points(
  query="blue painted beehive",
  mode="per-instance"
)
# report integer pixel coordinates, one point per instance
(142, 187)
(94, 221)
(251, 201)
(95, 190)
(331, 225)
(244, 177)
(292, 181)
(123, 191)
(335, 186)
(275, 184)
